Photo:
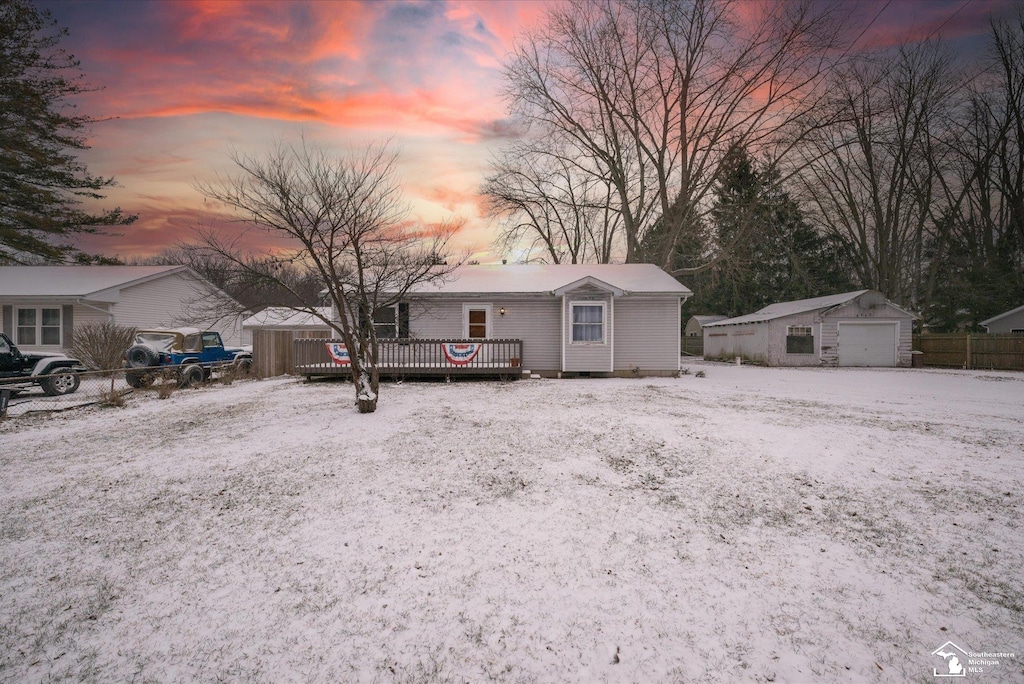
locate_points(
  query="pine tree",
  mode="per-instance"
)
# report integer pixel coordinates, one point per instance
(767, 251)
(42, 183)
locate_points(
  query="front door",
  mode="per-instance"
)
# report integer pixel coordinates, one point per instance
(476, 321)
(476, 325)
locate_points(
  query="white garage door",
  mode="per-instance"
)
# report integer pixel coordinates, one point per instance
(867, 344)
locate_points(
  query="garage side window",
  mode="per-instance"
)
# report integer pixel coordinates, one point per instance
(799, 339)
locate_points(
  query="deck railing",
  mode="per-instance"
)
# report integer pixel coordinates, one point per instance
(440, 357)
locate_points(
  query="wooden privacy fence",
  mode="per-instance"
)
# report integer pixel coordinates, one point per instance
(967, 350)
(273, 350)
(438, 357)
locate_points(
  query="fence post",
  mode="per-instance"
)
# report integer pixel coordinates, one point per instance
(968, 366)
(5, 399)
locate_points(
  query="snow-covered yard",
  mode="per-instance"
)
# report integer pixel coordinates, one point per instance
(753, 525)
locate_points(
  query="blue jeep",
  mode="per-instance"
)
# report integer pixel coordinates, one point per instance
(192, 355)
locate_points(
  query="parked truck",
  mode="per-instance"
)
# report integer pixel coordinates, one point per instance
(190, 354)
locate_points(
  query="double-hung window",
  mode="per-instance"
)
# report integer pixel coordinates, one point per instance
(37, 327)
(587, 323)
(391, 322)
(799, 339)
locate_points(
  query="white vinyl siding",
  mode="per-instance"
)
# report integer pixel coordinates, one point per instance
(587, 357)
(534, 319)
(647, 334)
(173, 301)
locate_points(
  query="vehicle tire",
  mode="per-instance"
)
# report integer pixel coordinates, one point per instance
(141, 356)
(59, 382)
(138, 380)
(244, 366)
(191, 376)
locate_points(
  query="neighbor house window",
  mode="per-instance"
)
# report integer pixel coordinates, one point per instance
(799, 339)
(39, 326)
(1017, 331)
(588, 323)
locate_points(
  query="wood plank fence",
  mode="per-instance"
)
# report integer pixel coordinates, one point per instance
(969, 350)
(423, 357)
(273, 350)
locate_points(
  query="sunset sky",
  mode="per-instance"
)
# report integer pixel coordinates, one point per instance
(184, 81)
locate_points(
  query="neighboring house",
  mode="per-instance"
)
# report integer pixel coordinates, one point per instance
(859, 328)
(1011, 321)
(42, 305)
(695, 326)
(274, 331)
(591, 319)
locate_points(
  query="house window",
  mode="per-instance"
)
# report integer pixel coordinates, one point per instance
(39, 327)
(391, 322)
(385, 322)
(799, 339)
(588, 323)
(1017, 331)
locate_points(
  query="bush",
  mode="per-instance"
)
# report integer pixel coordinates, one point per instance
(101, 346)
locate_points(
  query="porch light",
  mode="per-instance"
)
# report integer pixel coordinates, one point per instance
(501, 311)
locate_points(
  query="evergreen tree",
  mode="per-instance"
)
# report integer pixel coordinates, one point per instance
(766, 251)
(42, 183)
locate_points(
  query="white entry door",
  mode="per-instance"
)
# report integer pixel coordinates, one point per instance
(868, 344)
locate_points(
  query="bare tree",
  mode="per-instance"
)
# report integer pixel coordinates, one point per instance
(343, 217)
(551, 205)
(873, 174)
(976, 266)
(266, 280)
(646, 96)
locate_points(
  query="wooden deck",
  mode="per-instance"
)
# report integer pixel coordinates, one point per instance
(417, 357)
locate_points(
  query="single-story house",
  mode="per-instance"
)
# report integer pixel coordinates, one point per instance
(695, 325)
(274, 331)
(575, 319)
(550, 319)
(859, 328)
(1008, 322)
(42, 305)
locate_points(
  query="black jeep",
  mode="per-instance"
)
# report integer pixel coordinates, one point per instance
(55, 373)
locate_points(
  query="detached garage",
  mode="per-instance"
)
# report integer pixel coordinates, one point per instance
(859, 328)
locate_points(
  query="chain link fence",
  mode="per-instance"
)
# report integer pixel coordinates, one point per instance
(19, 397)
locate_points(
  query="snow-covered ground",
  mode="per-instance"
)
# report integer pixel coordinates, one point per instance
(752, 525)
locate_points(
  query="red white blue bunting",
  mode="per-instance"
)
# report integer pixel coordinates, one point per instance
(339, 353)
(460, 354)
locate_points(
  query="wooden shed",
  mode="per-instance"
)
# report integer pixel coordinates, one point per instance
(859, 328)
(274, 331)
